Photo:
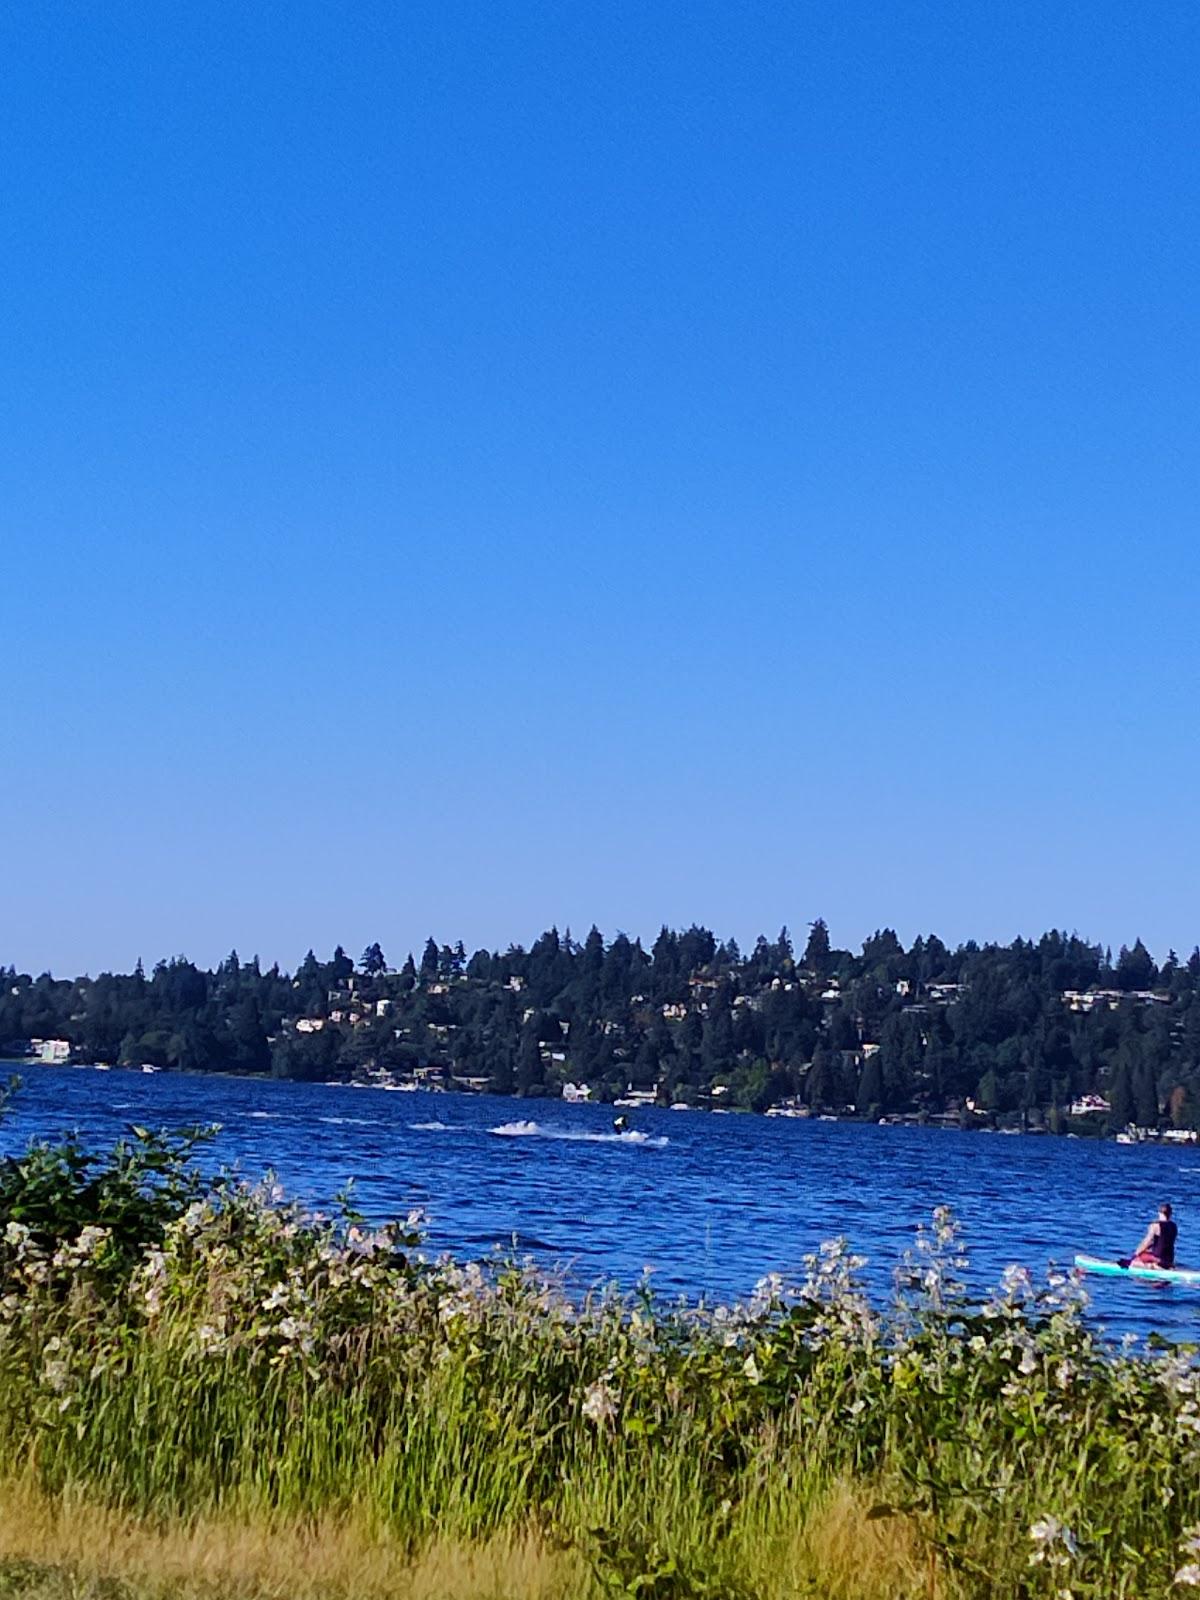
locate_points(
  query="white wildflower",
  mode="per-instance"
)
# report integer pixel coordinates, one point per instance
(295, 1331)
(1015, 1282)
(750, 1368)
(1177, 1374)
(600, 1403)
(768, 1292)
(1189, 1575)
(1053, 1542)
(55, 1375)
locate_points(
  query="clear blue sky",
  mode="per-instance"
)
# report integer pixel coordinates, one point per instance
(465, 467)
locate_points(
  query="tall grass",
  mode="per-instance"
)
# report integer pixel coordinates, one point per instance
(311, 1397)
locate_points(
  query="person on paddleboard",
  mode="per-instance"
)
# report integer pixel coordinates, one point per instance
(1157, 1249)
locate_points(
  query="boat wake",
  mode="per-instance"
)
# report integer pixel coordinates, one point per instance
(430, 1127)
(534, 1130)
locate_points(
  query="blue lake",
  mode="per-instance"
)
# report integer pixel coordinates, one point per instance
(710, 1202)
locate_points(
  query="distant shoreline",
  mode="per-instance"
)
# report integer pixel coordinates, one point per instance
(14, 1067)
(1054, 1033)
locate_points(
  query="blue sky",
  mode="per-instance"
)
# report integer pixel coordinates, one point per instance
(468, 467)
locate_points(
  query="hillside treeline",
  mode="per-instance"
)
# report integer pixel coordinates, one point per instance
(1025, 1028)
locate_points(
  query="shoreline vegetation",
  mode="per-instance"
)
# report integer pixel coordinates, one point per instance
(1053, 1036)
(205, 1390)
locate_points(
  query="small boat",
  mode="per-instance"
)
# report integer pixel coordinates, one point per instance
(1114, 1269)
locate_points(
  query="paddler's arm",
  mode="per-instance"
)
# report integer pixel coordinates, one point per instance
(1151, 1236)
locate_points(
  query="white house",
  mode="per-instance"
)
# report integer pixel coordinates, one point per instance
(1090, 1105)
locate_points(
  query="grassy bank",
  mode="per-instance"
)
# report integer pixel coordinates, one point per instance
(207, 1391)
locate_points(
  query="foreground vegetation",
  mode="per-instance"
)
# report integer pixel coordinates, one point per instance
(203, 1390)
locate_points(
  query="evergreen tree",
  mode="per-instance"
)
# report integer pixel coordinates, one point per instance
(987, 1095)
(251, 1053)
(1135, 968)
(1120, 1097)
(372, 961)
(1145, 1096)
(817, 950)
(530, 1072)
(869, 1094)
(821, 1083)
(593, 952)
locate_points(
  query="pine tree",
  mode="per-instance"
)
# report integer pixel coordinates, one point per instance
(1120, 1098)
(372, 961)
(816, 951)
(869, 1095)
(1145, 1096)
(530, 1072)
(820, 1084)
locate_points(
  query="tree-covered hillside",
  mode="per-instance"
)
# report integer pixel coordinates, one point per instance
(1027, 1028)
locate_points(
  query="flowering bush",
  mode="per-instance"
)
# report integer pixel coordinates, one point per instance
(179, 1345)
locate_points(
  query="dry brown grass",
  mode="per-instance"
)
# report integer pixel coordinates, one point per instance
(861, 1559)
(73, 1549)
(85, 1544)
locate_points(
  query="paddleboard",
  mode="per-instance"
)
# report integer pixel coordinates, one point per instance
(1114, 1269)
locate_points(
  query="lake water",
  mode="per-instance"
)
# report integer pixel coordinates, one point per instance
(710, 1202)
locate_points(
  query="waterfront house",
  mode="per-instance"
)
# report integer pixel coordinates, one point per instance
(51, 1052)
(1090, 1105)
